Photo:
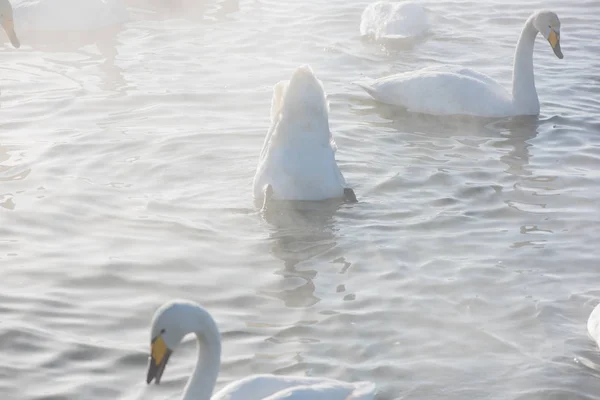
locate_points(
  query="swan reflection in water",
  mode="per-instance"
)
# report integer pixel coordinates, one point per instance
(302, 231)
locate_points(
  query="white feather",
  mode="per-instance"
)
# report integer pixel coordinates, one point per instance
(452, 90)
(298, 155)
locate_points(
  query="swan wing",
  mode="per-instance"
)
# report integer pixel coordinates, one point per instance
(443, 90)
(273, 387)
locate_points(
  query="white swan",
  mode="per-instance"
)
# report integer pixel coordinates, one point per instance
(593, 325)
(175, 319)
(297, 161)
(6, 20)
(68, 15)
(449, 90)
(384, 20)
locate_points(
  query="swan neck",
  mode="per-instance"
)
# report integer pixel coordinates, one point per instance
(524, 92)
(203, 380)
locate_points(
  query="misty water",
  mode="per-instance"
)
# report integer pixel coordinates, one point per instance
(129, 140)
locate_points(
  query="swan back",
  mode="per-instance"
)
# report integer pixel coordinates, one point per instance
(445, 90)
(7, 22)
(298, 154)
(275, 387)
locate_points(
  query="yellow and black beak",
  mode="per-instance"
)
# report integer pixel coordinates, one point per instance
(159, 356)
(9, 27)
(554, 39)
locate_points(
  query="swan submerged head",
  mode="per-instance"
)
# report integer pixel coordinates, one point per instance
(548, 24)
(170, 324)
(6, 20)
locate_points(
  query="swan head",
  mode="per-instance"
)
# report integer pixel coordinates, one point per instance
(548, 24)
(6, 20)
(170, 324)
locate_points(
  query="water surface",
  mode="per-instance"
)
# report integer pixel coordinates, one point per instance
(467, 269)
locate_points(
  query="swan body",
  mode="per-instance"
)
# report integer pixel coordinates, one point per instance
(69, 15)
(6, 20)
(593, 325)
(175, 319)
(449, 90)
(384, 20)
(297, 161)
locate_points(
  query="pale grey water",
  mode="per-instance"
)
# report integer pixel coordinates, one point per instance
(467, 270)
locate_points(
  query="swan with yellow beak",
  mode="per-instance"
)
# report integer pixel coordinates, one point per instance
(6, 20)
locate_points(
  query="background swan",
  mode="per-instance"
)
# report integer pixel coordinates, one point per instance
(68, 15)
(449, 90)
(593, 325)
(6, 20)
(384, 20)
(297, 161)
(175, 319)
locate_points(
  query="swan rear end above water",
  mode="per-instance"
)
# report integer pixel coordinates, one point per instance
(297, 161)
(449, 90)
(176, 319)
(7, 22)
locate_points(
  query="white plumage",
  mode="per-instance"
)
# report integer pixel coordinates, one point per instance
(593, 325)
(68, 15)
(384, 20)
(298, 155)
(451, 90)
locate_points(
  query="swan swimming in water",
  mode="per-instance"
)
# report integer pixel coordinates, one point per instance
(68, 15)
(176, 319)
(384, 20)
(297, 161)
(7, 22)
(449, 90)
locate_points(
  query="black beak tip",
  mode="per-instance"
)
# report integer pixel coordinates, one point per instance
(152, 369)
(558, 52)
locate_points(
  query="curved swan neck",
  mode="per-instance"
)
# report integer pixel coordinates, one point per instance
(203, 380)
(524, 93)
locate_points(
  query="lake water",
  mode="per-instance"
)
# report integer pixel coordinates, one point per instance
(467, 269)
